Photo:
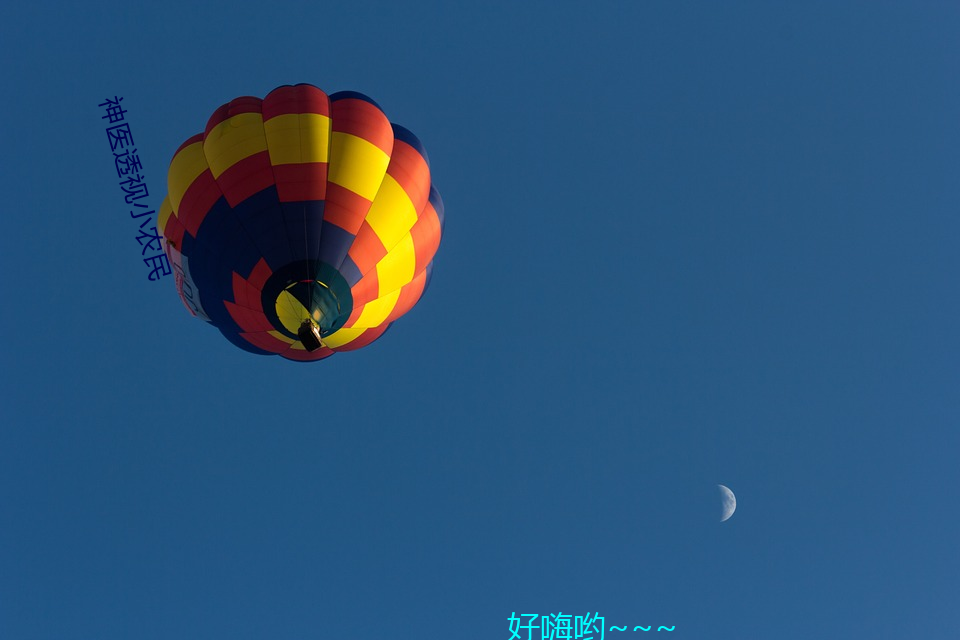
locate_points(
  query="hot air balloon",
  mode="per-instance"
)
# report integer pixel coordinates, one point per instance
(301, 224)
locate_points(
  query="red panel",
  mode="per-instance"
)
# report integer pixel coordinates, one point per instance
(411, 171)
(354, 315)
(246, 177)
(367, 289)
(299, 182)
(245, 294)
(200, 196)
(367, 250)
(266, 342)
(426, 237)
(345, 209)
(409, 295)
(174, 231)
(247, 319)
(301, 98)
(364, 120)
(259, 274)
(243, 104)
(189, 141)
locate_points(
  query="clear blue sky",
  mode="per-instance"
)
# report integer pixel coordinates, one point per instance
(686, 243)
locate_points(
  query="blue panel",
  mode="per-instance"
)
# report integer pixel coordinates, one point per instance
(187, 244)
(303, 222)
(214, 223)
(263, 218)
(314, 211)
(223, 245)
(335, 242)
(350, 271)
(294, 225)
(429, 278)
(437, 203)
(235, 338)
(352, 95)
(405, 135)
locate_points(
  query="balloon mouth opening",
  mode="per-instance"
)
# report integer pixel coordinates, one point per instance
(307, 309)
(309, 334)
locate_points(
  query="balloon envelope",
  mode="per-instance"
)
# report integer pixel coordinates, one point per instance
(298, 210)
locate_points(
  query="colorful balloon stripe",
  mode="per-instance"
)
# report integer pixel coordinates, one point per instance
(301, 208)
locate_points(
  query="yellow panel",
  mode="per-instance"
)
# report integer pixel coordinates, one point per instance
(185, 167)
(290, 311)
(392, 214)
(375, 312)
(342, 337)
(233, 140)
(165, 212)
(356, 164)
(397, 267)
(298, 137)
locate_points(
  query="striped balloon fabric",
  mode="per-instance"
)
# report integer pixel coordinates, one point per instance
(301, 224)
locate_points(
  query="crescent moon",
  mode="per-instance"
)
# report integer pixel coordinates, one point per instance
(728, 502)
